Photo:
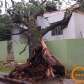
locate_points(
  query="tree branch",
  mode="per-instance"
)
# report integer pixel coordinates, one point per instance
(23, 49)
(43, 1)
(63, 23)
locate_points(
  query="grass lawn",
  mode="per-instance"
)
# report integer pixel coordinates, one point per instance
(4, 68)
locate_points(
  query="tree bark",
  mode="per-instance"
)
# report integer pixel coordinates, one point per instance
(41, 65)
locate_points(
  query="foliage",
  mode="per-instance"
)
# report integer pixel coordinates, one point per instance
(4, 22)
(5, 27)
(21, 11)
(82, 5)
(26, 9)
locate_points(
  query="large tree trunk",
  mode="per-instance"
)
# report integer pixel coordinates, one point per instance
(42, 65)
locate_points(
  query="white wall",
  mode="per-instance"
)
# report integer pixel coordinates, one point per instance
(79, 25)
(53, 17)
(68, 33)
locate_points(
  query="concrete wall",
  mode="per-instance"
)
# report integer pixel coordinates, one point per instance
(70, 31)
(18, 47)
(79, 25)
(69, 52)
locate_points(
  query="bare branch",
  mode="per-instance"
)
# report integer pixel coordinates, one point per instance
(23, 49)
(63, 23)
(43, 1)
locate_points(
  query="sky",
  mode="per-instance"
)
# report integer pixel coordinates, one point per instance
(9, 2)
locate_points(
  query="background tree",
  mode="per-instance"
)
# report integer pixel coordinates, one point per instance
(5, 28)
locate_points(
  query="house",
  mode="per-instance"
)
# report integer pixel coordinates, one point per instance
(73, 31)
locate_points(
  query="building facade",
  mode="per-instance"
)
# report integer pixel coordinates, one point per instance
(74, 29)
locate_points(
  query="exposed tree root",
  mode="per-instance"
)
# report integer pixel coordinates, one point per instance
(41, 66)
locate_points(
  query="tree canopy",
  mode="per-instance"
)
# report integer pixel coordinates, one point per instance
(21, 11)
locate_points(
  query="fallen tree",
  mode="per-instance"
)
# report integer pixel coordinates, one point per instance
(41, 64)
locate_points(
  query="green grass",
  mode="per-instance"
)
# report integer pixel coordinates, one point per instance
(5, 69)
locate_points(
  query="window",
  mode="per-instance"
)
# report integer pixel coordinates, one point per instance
(57, 31)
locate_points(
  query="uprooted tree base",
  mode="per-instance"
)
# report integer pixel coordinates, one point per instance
(41, 66)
